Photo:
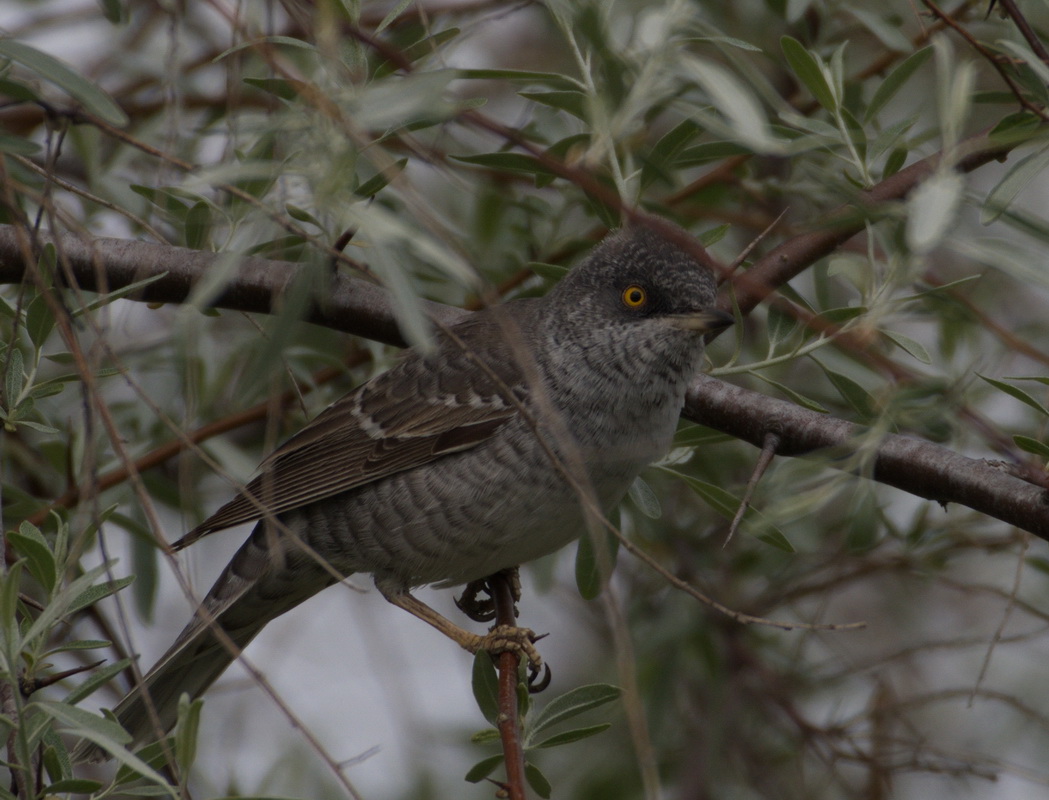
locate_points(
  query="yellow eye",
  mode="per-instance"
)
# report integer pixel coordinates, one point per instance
(634, 296)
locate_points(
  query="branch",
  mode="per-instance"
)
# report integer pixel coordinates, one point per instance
(914, 465)
(508, 663)
(255, 284)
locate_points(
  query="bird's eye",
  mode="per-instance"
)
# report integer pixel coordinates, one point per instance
(634, 296)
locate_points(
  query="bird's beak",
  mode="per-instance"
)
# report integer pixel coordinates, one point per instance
(709, 320)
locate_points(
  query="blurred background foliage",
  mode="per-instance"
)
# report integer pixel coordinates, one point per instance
(429, 129)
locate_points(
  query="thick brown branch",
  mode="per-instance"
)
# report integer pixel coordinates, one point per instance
(914, 465)
(254, 285)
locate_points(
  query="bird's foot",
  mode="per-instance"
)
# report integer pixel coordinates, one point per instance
(482, 609)
(521, 641)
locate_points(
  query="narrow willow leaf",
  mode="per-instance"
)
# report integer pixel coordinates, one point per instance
(1019, 394)
(797, 397)
(742, 112)
(537, 780)
(809, 70)
(1040, 449)
(66, 78)
(931, 210)
(908, 344)
(895, 80)
(573, 703)
(1015, 181)
(645, 499)
(485, 685)
(482, 769)
(572, 736)
(575, 103)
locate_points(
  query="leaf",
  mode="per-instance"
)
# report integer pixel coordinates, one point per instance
(96, 593)
(895, 80)
(186, 728)
(511, 162)
(482, 769)
(14, 378)
(485, 685)
(645, 499)
(574, 102)
(796, 397)
(810, 71)
(552, 272)
(909, 345)
(66, 78)
(853, 394)
(377, 182)
(551, 79)
(73, 786)
(589, 576)
(742, 112)
(1040, 449)
(931, 210)
(97, 678)
(572, 736)
(573, 703)
(1013, 391)
(537, 780)
(1015, 181)
(29, 542)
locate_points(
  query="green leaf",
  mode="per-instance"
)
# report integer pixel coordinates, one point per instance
(511, 162)
(537, 780)
(931, 210)
(482, 769)
(551, 79)
(645, 499)
(909, 345)
(1015, 181)
(895, 80)
(29, 542)
(744, 118)
(589, 577)
(377, 182)
(96, 593)
(1040, 449)
(553, 272)
(392, 15)
(775, 538)
(853, 394)
(1013, 391)
(15, 369)
(186, 728)
(572, 736)
(574, 102)
(73, 786)
(809, 70)
(66, 78)
(97, 678)
(278, 87)
(16, 145)
(197, 225)
(571, 704)
(485, 685)
(796, 397)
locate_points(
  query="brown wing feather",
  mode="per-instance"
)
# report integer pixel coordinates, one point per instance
(401, 419)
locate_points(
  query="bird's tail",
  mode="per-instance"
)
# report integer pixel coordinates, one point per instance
(256, 587)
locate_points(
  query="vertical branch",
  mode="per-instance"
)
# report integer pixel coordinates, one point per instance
(507, 663)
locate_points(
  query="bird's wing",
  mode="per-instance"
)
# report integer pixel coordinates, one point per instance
(403, 418)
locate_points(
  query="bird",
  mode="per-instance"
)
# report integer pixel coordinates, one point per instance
(471, 457)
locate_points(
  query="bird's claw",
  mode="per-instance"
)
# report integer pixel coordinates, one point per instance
(475, 607)
(511, 639)
(535, 683)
